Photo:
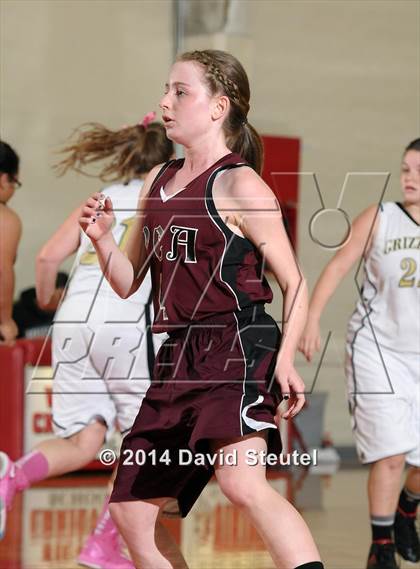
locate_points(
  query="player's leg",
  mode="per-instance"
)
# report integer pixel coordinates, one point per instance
(384, 484)
(73, 453)
(104, 548)
(406, 533)
(126, 385)
(150, 545)
(412, 482)
(282, 528)
(82, 414)
(411, 492)
(383, 487)
(134, 506)
(376, 393)
(49, 458)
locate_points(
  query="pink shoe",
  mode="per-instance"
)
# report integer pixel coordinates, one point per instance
(103, 551)
(7, 489)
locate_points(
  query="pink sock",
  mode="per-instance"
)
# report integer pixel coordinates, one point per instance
(104, 523)
(31, 468)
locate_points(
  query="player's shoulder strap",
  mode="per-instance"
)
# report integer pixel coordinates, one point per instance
(230, 162)
(168, 166)
(406, 213)
(233, 161)
(390, 209)
(381, 219)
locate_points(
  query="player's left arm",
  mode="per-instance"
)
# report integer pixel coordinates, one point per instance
(63, 243)
(257, 214)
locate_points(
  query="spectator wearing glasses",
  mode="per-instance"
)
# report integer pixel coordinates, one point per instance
(10, 234)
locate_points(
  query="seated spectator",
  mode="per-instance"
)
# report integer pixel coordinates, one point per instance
(33, 320)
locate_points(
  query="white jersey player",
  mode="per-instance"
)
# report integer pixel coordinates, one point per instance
(102, 347)
(383, 359)
(390, 294)
(102, 344)
(384, 331)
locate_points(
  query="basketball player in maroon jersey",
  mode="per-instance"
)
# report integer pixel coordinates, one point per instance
(205, 225)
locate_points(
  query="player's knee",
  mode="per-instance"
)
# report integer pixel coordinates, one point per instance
(394, 463)
(240, 493)
(137, 529)
(123, 517)
(90, 439)
(118, 514)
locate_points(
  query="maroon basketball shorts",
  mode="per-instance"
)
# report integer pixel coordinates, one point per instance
(212, 380)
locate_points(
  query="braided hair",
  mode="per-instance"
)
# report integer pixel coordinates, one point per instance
(223, 73)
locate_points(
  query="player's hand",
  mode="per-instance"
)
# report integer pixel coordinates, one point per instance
(310, 340)
(97, 216)
(8, 332)
(292, 389)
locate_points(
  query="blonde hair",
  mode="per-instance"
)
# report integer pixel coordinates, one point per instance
(132, 150)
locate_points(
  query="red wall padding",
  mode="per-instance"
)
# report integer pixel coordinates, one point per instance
(12, 362)
(281, 173)
(12, 365)
(37, 348)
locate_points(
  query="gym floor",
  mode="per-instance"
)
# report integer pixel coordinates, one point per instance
(49, 523)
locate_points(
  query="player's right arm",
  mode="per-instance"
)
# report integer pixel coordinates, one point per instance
(124, 270)
(10, 233)
(362, 231)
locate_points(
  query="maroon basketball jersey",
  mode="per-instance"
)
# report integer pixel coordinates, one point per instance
(199, 266)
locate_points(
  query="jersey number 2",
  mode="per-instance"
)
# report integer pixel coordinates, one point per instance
(409, 265)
